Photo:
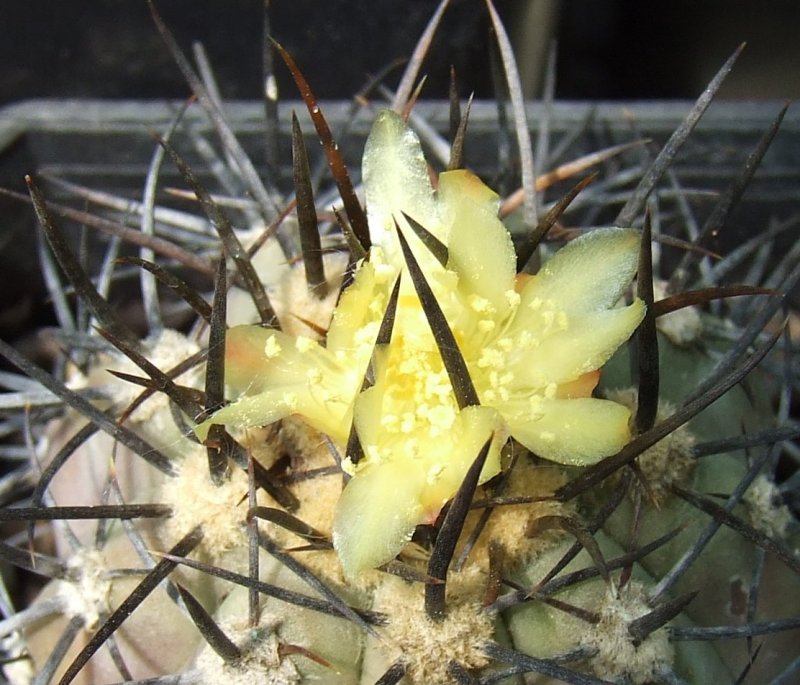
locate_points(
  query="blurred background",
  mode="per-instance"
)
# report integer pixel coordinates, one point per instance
(616, 49)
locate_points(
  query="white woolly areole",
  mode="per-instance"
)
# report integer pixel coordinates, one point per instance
(616, 652)
(166, 351)
(261, 662)
(670, 460)
(766, 509)
(682, 326)
(508, 525)
(195, 499)
(271, 266)
(297, 306)
(427, 646)
(86, 594)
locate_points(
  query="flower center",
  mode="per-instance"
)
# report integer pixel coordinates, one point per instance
(419, 397)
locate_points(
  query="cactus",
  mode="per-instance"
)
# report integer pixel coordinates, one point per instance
(387, 453)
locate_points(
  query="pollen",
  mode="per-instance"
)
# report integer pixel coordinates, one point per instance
(491, 357)
(390, 422)
(365, 335)
(437, 384)
(506, 344)
(442, 417)
(480, 304)
(272, 348)
(304, 344)
(408, 423)
(513, 298)
(434, 472)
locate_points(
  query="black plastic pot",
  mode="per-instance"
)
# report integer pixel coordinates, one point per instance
(108, 146)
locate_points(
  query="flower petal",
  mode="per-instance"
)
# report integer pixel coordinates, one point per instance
(587, 274)
(395, 181)
(358, 314)
(480, 248)
(250, 412)
(258, 358)
(587, 342)
(275, 375)
(580, 387)
(247, 367)
(446, 469)
(403, 485)
(577, 432)
(376, 516)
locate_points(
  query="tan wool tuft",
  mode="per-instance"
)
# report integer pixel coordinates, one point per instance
(616, 651)
(166, 351)
(427, 646)
(86, 594)
(263, 443)
(670, 460)
(261, 663)
(296, 305)
(195, 499)
(765, 508)
(318, 495)
(682, 326)
(507, 524)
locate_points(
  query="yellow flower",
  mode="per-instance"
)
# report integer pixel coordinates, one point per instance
(273, 375)
(532, 347)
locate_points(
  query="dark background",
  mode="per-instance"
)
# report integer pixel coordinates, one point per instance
(619, 49)
(612, 50)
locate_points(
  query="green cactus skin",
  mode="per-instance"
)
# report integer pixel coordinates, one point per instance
(728, 560)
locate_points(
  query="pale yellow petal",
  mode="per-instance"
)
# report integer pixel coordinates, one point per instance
(367, 414)
(360, 309)
(250, 358)
(397, 489)
(581, 387)
(577, 432)
(587, 342)
(325, 406)
(480, 248)
(259, 359)
(447, 465)
(395, 181)
(244, 358)
(252, 411)
(270, 375)
(376, 516)
(587, 274)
